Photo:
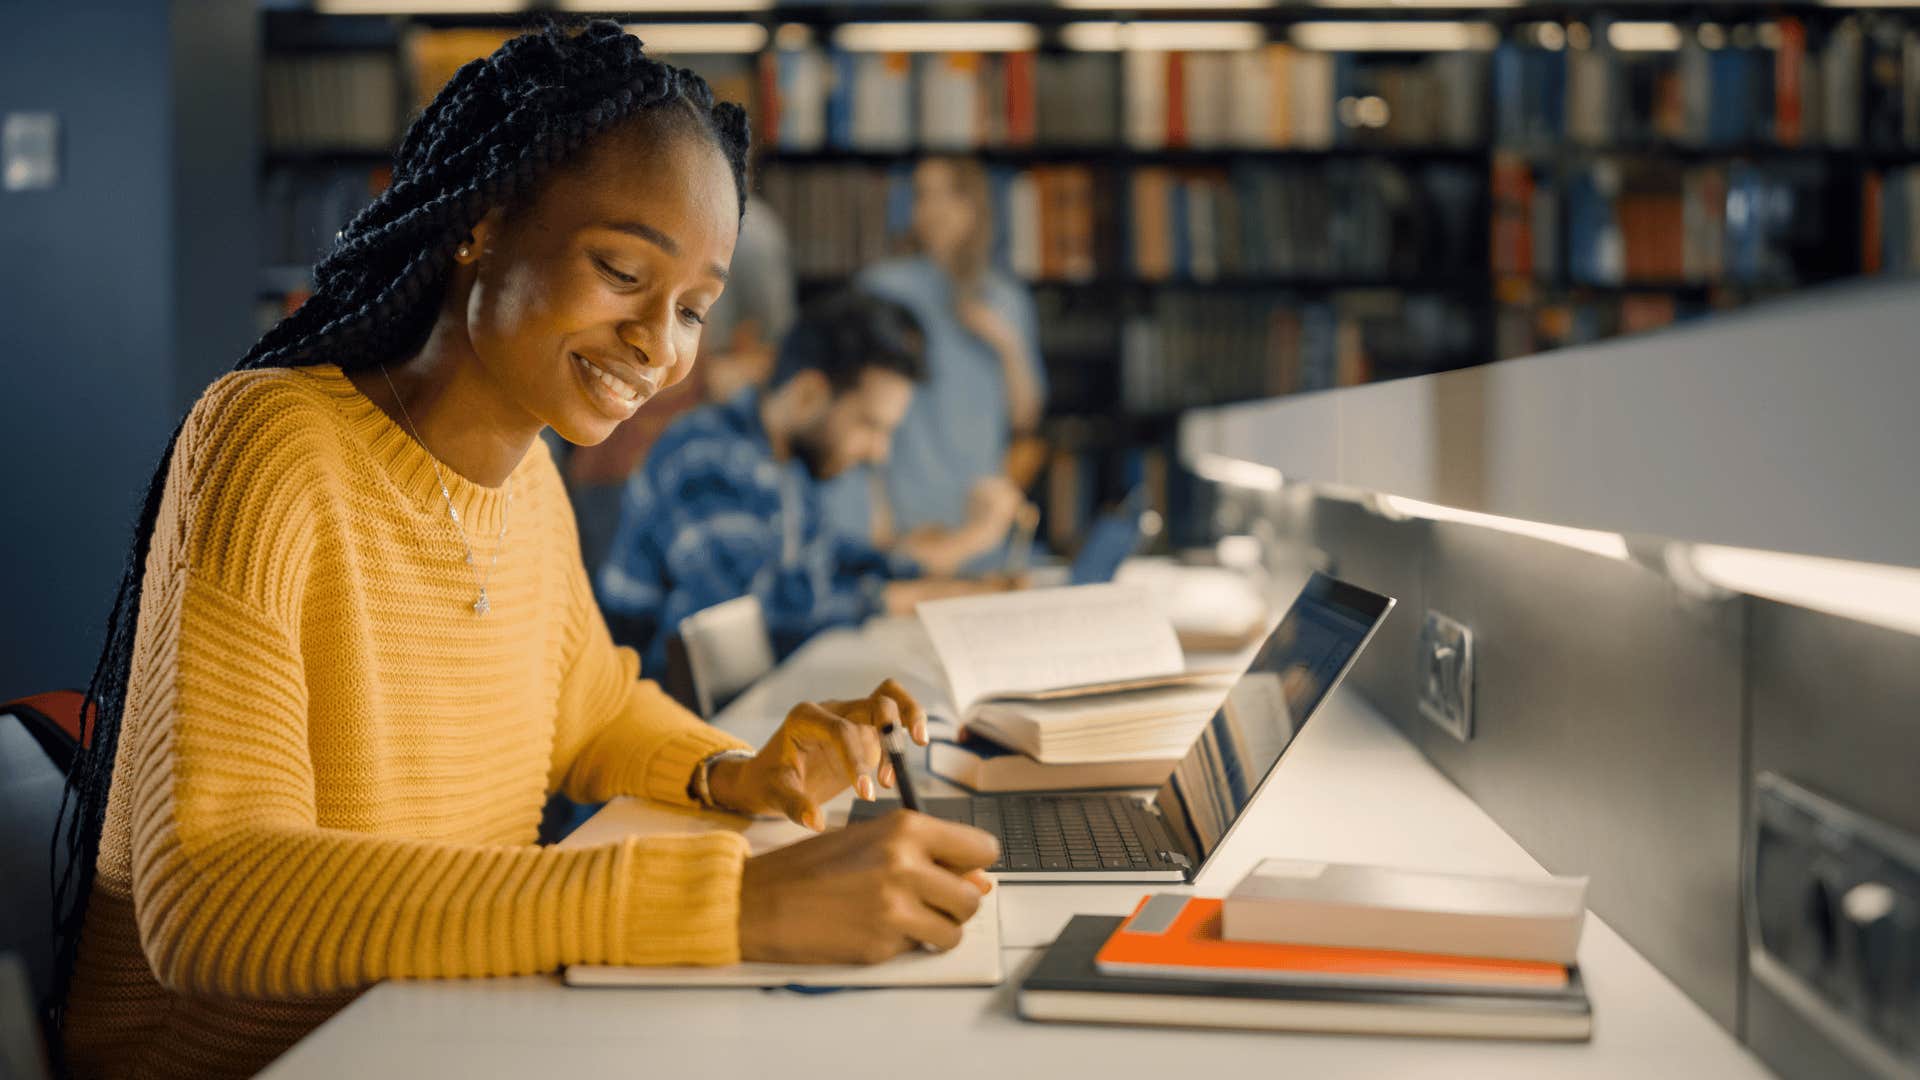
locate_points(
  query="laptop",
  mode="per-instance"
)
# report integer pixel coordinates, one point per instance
(1093, 837)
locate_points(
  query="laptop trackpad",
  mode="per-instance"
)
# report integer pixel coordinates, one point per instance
(948, 809)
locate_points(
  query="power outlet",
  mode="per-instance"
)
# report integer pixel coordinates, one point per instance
(1446, 675)
(1833, 922)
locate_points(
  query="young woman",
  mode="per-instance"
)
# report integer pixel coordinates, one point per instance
(985, 384)
(355, 648)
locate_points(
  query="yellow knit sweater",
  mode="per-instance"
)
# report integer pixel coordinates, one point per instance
(331, 770)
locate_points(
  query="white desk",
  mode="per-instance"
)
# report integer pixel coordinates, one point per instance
(1351, 788)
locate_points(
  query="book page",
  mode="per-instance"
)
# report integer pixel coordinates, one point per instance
(1046, 639)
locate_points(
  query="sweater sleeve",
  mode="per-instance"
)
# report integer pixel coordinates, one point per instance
(619, 734)
(239, 891)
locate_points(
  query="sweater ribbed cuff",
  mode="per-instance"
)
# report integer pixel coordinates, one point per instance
(666, 772)
(681, 899)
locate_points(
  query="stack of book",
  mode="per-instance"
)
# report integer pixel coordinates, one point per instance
(1066, 688)
(1270, 97)
(338, 101)
(1628, 222)
(812, 99)
(1200, 348)
(1765, 82)
(1339, 219)
(1280, 97)
(1322, 947)
(1341, 222)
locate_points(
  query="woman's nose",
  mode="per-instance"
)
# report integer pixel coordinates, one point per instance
(644, 341)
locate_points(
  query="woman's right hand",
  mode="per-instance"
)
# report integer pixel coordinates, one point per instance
(865, 893)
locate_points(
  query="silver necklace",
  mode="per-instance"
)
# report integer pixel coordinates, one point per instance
(480, 604)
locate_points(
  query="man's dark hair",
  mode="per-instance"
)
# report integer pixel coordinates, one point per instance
(848, 334)
(489, 139)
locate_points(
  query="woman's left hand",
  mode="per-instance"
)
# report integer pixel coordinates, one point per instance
(820, 749)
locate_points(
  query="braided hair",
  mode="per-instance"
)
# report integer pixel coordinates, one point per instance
(488, 139)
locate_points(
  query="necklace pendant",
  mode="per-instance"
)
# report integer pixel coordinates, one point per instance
(480, 606)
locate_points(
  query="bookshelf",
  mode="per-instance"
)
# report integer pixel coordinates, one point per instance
(1207, 225)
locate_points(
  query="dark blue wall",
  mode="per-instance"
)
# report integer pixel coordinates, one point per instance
(109, 322)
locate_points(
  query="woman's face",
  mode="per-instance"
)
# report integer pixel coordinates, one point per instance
(590, 300)
(942, 216)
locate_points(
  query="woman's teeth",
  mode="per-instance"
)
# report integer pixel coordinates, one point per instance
(621, 388)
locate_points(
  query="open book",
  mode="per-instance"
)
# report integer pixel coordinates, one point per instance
(1087, 673)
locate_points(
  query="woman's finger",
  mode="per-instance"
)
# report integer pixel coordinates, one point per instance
(948, 893)
(931, 927)
(911, 713)
(883, 713)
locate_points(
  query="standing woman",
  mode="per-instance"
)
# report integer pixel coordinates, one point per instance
(354, 648)
(985, 383)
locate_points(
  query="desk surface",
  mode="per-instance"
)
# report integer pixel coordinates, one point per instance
(1351, 788)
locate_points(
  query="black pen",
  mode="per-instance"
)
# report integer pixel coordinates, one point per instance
(897, 754)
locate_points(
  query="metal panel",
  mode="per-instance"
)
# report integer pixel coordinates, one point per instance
(1727, 430)
(1608, 723)
(1834, 706)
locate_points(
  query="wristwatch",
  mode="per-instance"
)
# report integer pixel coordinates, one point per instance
(698, 788)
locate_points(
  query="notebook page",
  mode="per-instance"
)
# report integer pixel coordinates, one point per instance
(975, 961)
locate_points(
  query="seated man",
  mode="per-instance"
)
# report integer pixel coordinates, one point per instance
(727, 503)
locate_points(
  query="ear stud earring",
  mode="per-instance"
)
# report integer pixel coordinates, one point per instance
(463, 252)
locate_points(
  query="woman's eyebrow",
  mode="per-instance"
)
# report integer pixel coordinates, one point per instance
(662, 241)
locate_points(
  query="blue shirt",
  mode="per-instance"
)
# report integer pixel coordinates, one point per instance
(956, 431)
(711, 516)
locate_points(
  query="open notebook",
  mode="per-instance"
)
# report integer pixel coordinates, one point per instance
(974, 962)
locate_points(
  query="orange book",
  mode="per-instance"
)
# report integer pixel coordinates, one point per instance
(1176, 936)
(1789, 69)
(768, 114)
(1020, 118)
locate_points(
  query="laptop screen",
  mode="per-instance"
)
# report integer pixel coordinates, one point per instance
(1300, 663)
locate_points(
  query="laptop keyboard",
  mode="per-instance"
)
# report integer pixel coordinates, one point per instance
(1063, 833)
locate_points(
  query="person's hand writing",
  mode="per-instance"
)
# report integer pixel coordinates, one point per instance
(820, 749)
(865, 893)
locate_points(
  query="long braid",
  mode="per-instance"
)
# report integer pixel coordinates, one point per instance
(488, 139)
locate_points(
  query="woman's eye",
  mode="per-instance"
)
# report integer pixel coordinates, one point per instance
(607, 269)
(693, 317)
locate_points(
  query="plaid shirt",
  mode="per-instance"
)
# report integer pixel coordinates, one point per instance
(711, 516)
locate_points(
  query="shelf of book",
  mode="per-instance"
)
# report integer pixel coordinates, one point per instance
(1472, 282)
(776, 157)
(1205, 226)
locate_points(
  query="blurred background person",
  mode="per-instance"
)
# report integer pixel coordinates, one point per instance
(737, 347)
(985, 381)
(727, 503)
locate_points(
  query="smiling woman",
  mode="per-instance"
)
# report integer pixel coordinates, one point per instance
(354, 649)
